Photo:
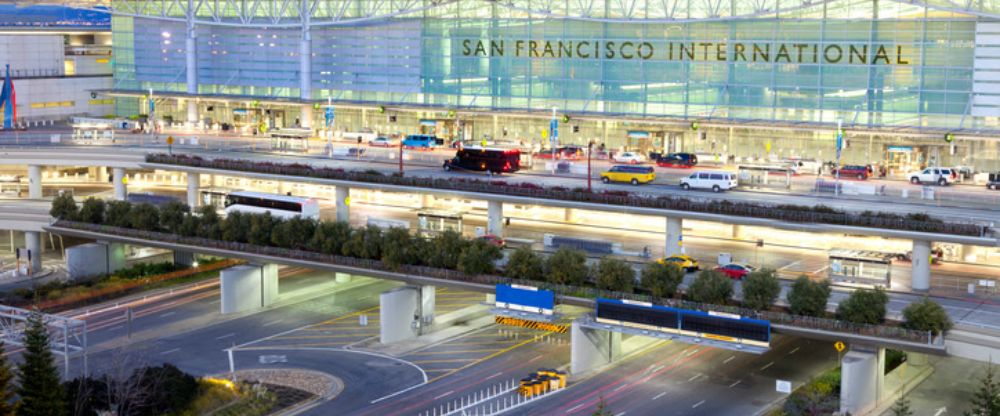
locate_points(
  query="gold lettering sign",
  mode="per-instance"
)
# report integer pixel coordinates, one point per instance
(763, 52)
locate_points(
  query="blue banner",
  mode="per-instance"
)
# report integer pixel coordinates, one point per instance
(525, 298)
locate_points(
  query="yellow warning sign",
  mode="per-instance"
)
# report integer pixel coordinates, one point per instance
(839, 345)
(524, 323)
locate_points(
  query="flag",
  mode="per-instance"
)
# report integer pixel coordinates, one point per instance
(8, 100)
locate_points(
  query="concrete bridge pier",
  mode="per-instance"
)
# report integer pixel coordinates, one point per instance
(33, 242)
(862, 379)
(94, 259)
(118, 181)
(343, 203)
(920, 258)
(428, 301)
(248, 287)
(184, 258)
(494, 221)
(592, 348)
(34, 182)
(193, 188)
(399, 312)
(674, 238)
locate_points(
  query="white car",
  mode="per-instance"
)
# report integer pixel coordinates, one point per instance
(940, 176)
(365, 135)
(381, 142)
(716, 180)
(629, 157)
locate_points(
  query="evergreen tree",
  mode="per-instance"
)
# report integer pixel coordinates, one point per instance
(986, 401)
(39, 385)
(8, 402)
(902, 407)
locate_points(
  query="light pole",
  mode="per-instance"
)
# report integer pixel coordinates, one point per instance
(590, 150)
(840, 142)
(553, 137)
(400, 156)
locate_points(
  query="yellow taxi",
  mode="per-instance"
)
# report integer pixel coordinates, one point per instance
(684, 261)
(629, 174)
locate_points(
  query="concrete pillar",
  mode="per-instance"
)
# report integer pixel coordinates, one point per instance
(861, 380)
(737, 232)
(305, 66)
(342, 278)
(675, 237)
(34, 182)
(248, 287)
(428, 301)
(94, 259)
(398, 313)
(102, 174)
(191, 61)
(494, 219)
(193, 188)
(33, 242)
(920, 277)
(592, 348)
(426, 201)
(184, 258)
(343, 203)
(118, 181)
(306, 116)
(568, 215)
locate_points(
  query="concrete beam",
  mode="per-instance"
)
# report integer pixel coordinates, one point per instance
(34, 182)
(920, 258)
(592, 348)
(398, 313)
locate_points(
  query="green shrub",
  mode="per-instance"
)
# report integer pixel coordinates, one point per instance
(864, 306)
(808, 297)
(443, 249)
(711, 287)
(760, 289)
(92, 211)
(926, 315)
(172, 216)
(117, 214)
(63, 207)
(662, 279)
(144, 217)
(479, 258)
(566, 266)
(614, 274)
(525, 264)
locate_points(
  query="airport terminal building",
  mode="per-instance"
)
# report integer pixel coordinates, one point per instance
(747, 78)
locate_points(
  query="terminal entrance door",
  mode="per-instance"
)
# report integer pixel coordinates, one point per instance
(900, 160)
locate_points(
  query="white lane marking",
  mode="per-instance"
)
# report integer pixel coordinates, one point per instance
(573, 409)
(621, 414)
(766, 366)
(690, 353)
(659, 395)
(698, 404)
(535, 359)
(793, 351)
(694, 377)
(445, 394)
(170, 351)
(789, 265)
(494, 376)
(167, 314)
(941, 411)
(226, 336)
(273, 322)
(621, 387)
(658, 368)
(734, 384)
(729, 359)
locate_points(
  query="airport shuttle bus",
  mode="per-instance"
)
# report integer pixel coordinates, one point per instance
(281, 206)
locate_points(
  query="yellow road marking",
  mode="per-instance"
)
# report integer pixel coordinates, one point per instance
(326, 336)
(452, 352)
(450, 360)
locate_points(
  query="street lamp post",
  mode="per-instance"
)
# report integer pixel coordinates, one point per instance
(400, 157)
(840, 141)
(553, 137)
(590, 151)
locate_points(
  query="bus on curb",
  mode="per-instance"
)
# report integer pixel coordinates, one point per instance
(279, 206)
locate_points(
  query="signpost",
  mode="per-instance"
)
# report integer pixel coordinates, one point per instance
(783, 386)
(170, 145)
(840, 146)
(839, 345)
(554, 137)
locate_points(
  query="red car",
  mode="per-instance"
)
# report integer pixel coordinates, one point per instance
(852, 171)
(494, 240)
(735, 271)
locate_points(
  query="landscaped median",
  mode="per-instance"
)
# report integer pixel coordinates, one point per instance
(782, 212)
(449, 256)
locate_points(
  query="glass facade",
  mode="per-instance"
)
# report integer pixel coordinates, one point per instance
(870, 63)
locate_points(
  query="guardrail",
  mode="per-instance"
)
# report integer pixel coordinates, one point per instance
(574, 293)
(790, 213)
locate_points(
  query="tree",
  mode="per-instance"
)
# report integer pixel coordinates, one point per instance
(301, 229)
(443, 249)
(117, 214)
(281, 235)
(63, 207)
(329, 237)
(566, 266)
(808, 297)
(261, 226)
(39, 388)
(986, 400)
(901, 407)
(711, 287)
(235, 228)
(760, 289)
(662, 279)
(189, 226)
(365, 243)
(525, 264)
(864, 306)
(398, 248)
(172, 215)
(479, 257)
(8, 403)
(92, 211)
(926, 315)
(614, 274)
(145, 217)
(209, 223)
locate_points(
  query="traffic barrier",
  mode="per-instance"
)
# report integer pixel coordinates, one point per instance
(524, 323)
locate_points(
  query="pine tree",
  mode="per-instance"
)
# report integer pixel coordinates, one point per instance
(40, 389)
(902, 407)
(986, 401)
(8, 402)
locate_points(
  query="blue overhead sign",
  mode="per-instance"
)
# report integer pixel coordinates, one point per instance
(710, 325)
(525, 298)
(329, 116)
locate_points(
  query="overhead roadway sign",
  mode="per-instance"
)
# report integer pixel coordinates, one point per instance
(525, 299)
(686, 325)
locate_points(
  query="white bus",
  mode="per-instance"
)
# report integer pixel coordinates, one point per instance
(280, 206)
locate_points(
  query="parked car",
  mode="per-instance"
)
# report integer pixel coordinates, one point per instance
(994, 181)
(852, 171)
(364, 135)
(565, 153)
(420, 141)
(936, 175)
(735, 271)
(807, 166)
(494, 240)
(677, 160)
(715, 180)
(632, 158)
(381, 142)
(631, 174)
(684, 261)
(485, 159)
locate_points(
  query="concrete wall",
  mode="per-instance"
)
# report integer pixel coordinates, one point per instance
(71, 95)
(94, 259)
(398, 308)
(32, 55)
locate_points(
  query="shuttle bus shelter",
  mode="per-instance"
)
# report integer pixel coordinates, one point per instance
(861, 268)
(430, 223)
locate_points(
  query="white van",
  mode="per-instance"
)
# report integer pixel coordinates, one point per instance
(716, 180)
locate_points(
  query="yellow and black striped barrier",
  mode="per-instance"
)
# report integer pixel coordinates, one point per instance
(524, 323)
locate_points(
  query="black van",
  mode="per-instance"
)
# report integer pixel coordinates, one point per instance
(994, 181)
(677, 160)
(485, 159)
